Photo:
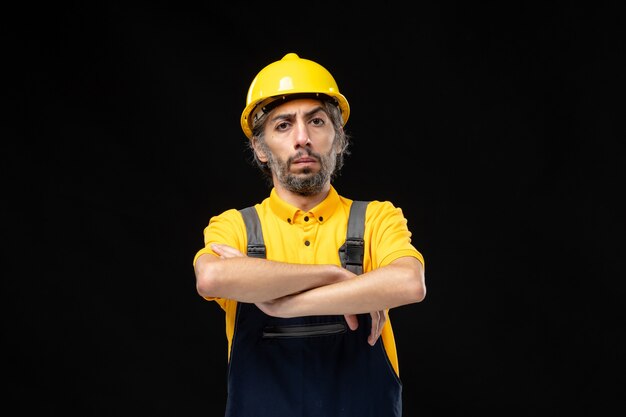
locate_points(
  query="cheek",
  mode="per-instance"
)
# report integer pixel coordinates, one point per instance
(279, 147)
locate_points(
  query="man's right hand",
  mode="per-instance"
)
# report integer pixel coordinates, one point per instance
(379, 318)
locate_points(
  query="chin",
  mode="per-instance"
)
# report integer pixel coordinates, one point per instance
(305, 172)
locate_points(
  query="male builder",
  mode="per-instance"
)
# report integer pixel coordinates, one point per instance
(307, 335)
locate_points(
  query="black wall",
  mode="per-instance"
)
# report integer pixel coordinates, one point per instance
(493, 126)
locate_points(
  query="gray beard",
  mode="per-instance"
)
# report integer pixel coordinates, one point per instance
(307, 182)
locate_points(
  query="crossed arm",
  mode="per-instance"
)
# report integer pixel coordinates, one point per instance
(290, 290)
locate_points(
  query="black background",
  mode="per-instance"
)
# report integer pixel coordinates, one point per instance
(494, 126)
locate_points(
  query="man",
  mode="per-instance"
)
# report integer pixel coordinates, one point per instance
(307, 337)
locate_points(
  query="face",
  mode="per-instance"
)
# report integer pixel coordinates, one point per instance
(299, 146)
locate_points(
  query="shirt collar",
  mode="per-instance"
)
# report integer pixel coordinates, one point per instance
(291, 214)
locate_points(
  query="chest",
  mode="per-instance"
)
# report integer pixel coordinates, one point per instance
(305, 242)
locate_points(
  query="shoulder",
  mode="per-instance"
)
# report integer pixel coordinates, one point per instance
(378, 209)
(230, 215)
(384, 217)
(375, 209)
(226, 223)
(235, 214)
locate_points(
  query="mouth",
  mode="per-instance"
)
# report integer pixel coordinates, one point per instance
(306, 160)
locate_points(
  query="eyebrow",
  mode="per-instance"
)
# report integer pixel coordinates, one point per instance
(283, 116)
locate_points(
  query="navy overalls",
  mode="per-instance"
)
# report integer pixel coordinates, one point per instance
(312, 366)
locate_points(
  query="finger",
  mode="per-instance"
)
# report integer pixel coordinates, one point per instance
(352, 320)
(375, 331)
(226, 251)
(383, 319)
(233, 253)
(217, 248)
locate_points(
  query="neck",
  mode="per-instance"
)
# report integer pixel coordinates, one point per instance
(303, 202)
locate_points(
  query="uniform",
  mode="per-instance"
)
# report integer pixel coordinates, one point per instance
(315, 365)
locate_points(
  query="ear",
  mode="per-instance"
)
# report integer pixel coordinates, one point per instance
(260, 154)
(338, 145)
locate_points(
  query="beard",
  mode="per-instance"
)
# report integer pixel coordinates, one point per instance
(306, 182)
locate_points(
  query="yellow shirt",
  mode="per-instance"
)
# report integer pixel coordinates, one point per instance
(314, 237)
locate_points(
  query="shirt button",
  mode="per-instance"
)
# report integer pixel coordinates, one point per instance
(321, 219)
(307, 243)
(288, 220)
(306, 218)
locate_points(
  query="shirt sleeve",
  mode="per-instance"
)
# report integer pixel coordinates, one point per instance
(227, 228)
(388, 234)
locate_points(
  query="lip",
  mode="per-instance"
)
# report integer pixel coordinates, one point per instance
(306, 160)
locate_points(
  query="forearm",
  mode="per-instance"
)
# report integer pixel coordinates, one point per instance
(394, 285)
(257, 280)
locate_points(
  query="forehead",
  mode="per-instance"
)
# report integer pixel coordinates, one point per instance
(299, 105)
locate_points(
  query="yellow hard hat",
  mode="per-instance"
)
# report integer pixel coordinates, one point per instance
(290, 75)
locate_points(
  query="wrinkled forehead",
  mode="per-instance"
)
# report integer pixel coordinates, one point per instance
(297, 106)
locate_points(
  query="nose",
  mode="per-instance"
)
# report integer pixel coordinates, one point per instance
(302, 138)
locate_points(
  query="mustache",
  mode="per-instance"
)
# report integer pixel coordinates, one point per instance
(308, 153)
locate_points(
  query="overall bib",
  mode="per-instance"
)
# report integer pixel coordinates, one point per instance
(312, 366)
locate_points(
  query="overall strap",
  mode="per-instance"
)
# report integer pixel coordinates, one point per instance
(256, 244)
(351, 253)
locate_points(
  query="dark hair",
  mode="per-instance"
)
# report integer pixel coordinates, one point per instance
(342, 139)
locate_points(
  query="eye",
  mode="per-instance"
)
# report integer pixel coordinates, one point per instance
(318, 121)
(282, 126)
